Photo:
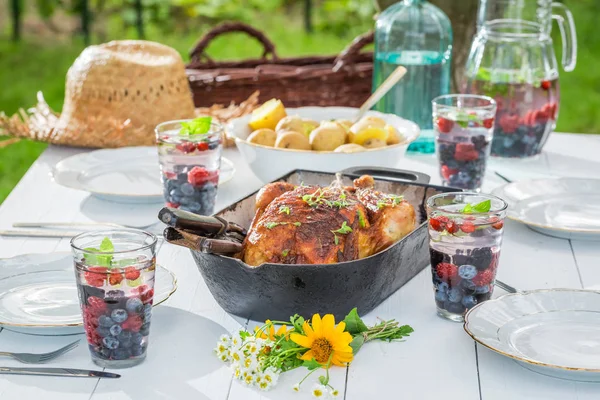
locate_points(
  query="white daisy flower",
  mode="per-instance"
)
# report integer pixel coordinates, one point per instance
(225, 339)
(221, 349)
(249, 363)
(320, 391)
(236, 356)
(224, 357)
(296, 387)
(248, 380)
(237, 370)
(334, 393)
(264, 385)
(271, 375)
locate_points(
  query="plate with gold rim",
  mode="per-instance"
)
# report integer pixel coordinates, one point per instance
(38, 294)
(553, 332)
(567, 208)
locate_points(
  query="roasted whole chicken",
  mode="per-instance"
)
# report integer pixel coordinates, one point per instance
(324, 225)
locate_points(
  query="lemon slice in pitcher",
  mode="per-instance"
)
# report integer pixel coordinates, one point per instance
(268, 115)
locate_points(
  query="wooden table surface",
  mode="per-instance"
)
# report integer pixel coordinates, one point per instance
(439, 361)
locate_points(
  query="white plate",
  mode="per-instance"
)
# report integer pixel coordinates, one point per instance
(269, 163)
(567, 208)
(38, 294)
(125, 175)
(551, 332)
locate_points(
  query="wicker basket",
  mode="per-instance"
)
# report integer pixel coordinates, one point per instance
(343, 80)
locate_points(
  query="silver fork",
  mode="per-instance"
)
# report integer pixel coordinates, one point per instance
(30, 358)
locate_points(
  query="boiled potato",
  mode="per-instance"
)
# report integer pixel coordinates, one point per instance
(292, 140)
(374, 143)
(394, 137)
(264, 137)
(345, 123)
(290, 123)
(327, 137)
(268, 115)
(349, 148)
(368, 134)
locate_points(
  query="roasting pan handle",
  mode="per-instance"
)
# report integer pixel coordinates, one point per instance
(389, 174)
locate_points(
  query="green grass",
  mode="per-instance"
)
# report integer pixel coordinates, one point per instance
(42, 65)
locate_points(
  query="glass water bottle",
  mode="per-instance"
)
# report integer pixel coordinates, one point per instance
(417, 35)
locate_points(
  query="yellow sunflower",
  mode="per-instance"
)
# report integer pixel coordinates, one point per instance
(325, 340)
(271, 330)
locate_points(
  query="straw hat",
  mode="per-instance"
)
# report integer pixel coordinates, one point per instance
(116, 93)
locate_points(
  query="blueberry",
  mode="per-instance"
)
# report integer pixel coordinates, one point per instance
(438, 257)
(483, 297)
(137, 351)
(443, 287)
(105, 353)
(136, 338)
(95, 350)
(456, 308)
(145, 329)
(467, 286)
(467, 271)
(115, 330)
(147, 312)
(213, 145)
(454, 295)
(121, 354)
(110, 342)
(482, 289)
(441, 296)
(187, 189)
(125, 335)
(105, 321)
(119, 315)
(134, 305)
(182, 177)
(103, 331)
(469, 301)
(195, 206)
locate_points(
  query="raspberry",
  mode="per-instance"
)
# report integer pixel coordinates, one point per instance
(444, 125)
(186, 147)
(172, 205)
(496, 223)
(471, 155)
(132, 273)
(133, 323)
(484, 277)
(95, 276)
(198, 176)
(93, 337)
(488, 123)
(464, 147)
(438, 223)
(202, 146)
(467, 227)
(447, 172)
(451, 227)
(170, 175)
(545, 85)
(509, 123)
(96, 303)
(115, 277)
(446, 271)
(145, 293)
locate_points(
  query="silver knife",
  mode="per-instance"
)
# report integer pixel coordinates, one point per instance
(82, 373)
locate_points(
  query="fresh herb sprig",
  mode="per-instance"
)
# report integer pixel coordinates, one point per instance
(482, 207)
(344, 230)
(102, 260)
(198, 126)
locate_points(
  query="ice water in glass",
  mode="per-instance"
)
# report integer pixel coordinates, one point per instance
(116, 292)
(464, 125)
(464, 246)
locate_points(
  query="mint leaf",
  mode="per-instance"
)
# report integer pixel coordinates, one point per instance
(311, 365)
(483, 207)
(198, 126)
(354, 325)
(463, 124)
(106, 246)
(357, 343)
(468, 209)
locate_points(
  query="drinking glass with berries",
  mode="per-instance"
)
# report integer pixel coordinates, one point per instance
(115, 271)
(464, 125)
(189, 153)
(465, 235)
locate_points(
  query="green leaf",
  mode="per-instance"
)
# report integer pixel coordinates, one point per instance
(345, 229)
(468, 209)
(336, 239)
(271, 225)
(354, 325)
(361, 219)
(107, 246)
(357, 343)
(311, 365)
(483, 207)
(297, 223)
(284, 210)
(285, 253)
(463, 124)
(198, 126)
(244, 335)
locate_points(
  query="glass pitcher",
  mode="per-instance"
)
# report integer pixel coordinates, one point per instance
(512, 60)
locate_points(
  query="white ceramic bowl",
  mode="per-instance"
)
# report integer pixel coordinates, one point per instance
(269, 163)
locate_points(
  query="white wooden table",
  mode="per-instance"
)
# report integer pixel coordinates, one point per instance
(438, 362)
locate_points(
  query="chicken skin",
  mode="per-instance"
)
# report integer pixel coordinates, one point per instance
(324, 225)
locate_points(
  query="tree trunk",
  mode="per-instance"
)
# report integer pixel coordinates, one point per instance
(85, 21)
(16, 11)
(463, 15)
(308, 26)
(139, 19)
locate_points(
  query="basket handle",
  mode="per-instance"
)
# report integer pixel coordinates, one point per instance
(348, 56)
(198, 53)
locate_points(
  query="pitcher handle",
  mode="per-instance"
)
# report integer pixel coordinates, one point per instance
(566, 24)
